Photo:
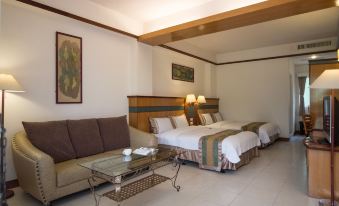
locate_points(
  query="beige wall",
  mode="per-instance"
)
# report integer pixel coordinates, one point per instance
(114, 66)
(256, 91)
(163, 85)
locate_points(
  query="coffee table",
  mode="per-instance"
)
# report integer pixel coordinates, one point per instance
(118, 169)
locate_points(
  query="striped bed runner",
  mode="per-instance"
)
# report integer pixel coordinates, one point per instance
(210, 153)
(253, 127)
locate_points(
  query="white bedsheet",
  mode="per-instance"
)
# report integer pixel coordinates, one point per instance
(265, 131)
(188, 138)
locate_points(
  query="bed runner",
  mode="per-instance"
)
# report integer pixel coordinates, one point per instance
(210, 153)
(253, 127)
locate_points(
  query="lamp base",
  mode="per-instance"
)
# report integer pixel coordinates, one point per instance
(327, 203)
(9, 194)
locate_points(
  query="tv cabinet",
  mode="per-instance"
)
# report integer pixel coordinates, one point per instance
(318, 167)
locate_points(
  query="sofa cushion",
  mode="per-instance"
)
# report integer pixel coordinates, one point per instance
(85, 137)
(114, 132)
(52, 138)
(70, 172)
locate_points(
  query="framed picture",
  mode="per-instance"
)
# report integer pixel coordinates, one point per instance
(182, 73)
(68, 69)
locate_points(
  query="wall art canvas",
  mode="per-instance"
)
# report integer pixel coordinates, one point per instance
(182, 73)
(68, 69)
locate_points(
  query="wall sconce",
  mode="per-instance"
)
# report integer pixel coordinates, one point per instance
(190, 100)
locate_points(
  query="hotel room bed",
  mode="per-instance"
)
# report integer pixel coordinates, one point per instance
(237, 150)
(268, 132)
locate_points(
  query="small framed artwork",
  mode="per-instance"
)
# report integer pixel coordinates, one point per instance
(182, 73)
(68, 69)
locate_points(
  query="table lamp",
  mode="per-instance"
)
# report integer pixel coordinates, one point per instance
(7, 84)
(190, 100)
(201, 99)
(329, 79)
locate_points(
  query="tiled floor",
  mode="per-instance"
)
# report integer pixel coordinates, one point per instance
(277, 177)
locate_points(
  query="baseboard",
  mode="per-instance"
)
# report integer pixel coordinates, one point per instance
(12, 184)
(284, 139)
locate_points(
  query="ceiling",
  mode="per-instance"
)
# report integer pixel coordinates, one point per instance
(147, 10)
(304, 27)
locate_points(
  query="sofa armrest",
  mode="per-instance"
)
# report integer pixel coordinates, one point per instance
(35, 169)
(142, 139)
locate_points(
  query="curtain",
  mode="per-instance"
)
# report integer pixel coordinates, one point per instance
(302, 81)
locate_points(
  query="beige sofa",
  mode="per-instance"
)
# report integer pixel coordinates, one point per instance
(39, 176)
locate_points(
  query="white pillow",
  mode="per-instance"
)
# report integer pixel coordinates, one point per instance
(180, 121)
(217, 117)
(160, 125)
(206, 119)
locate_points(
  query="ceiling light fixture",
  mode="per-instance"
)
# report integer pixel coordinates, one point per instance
(313, 56)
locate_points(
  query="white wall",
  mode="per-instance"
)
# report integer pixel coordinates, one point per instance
(163, 85)
(114, 66)
(256, 91)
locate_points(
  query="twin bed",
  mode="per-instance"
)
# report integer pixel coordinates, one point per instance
(219, 145)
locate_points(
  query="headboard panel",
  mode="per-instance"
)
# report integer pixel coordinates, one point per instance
(211, 106)
(141, 108)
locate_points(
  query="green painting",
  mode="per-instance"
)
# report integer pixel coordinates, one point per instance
(69, 69)
(182, 73)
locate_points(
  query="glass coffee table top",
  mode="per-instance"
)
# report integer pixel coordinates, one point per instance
(120, 165)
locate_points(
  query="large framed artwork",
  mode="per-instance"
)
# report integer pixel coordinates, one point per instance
(182, 73)
(68, 69)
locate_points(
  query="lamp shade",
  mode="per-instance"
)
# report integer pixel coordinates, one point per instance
(8, 83)
(329, 79)
(201, 99)
(190, 98)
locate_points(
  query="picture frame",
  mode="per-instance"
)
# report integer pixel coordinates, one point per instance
(182, 73)
(68, 69)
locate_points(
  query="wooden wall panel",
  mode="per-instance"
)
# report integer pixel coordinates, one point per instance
(316, 95)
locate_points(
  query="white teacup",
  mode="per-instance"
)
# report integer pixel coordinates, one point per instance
(127, 152)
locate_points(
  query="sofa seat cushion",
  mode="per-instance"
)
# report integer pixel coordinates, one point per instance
(70, 172)
(85, 137)
(114, 132)
(52, 138)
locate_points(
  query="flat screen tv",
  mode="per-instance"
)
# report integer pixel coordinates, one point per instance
(331, 119)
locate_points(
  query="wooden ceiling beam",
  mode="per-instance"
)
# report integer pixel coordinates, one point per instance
(253, 14)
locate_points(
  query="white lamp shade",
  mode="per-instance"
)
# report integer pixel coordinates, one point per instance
(329, 79)
(201, 99)
(8, 83)
(190, 98)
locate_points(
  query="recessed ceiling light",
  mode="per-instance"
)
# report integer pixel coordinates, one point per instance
(313, 56)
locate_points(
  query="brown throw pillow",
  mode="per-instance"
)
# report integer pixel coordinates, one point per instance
(114, 132)
(85, 137)
(52, 138)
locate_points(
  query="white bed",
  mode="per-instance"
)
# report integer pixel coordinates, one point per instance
(267, 133)
(188, 138)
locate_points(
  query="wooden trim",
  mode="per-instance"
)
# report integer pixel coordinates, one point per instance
(150, 96)
(187, 54)
(276, 57)
(12, 184)
(323, 61)
(245, 16)
(76, 17)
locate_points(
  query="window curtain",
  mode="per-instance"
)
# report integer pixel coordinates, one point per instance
(302, 81)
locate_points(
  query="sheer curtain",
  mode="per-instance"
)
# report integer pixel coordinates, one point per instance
(302, 81)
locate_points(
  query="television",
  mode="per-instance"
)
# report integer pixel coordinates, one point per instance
(331, 119)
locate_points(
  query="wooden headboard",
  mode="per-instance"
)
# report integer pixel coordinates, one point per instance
(141, 108)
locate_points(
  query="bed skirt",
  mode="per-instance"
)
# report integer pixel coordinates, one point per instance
(272, 140)
(193, 155)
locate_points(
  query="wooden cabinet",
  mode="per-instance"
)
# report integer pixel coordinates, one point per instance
(318, 168)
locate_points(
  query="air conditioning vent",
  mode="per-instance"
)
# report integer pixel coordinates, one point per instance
(314, 45)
